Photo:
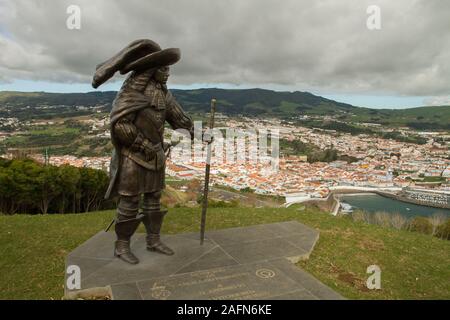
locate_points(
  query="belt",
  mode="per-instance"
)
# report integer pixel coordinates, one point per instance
(155, 164)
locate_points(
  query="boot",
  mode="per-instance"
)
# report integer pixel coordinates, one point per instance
(124, 231)
(153, 221)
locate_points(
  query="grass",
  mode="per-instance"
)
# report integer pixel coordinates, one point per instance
(413, 265)
(54, 130)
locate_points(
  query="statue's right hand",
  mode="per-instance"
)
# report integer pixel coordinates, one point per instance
(148, 150)
(149, 153)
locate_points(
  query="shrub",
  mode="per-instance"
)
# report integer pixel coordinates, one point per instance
(381, 218)
(398, 221)
(222, 204)
(443, 230)
(421, 224)
(436, 220)
(359, 216)
(218, 203)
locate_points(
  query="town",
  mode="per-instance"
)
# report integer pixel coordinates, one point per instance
(377, 162)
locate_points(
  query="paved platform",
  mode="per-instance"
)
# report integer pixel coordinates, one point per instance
(254, 262)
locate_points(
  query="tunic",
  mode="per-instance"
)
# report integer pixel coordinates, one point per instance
(139, 113)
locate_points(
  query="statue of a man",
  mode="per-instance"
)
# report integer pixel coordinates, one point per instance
(138, 115)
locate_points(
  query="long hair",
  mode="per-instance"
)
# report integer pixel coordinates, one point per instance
(138, 80)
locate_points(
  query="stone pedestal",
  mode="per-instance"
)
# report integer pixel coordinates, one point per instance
(253, 262)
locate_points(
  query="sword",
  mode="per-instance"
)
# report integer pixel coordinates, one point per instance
(207, 169)
(110, 225)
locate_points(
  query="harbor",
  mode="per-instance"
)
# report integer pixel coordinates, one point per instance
(405, 201)
(371, 202)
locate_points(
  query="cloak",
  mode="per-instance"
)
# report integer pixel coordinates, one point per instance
(126, 102)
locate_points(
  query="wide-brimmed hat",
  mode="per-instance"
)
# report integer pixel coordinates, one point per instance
(138, 55)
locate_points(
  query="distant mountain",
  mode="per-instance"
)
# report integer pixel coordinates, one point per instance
(46, 98)
(253, 102)
(246, 101)
(259, 102)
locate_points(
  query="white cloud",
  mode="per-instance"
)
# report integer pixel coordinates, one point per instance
(438, 101)
(310, 44)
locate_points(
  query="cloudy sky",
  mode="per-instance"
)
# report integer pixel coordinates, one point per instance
(321, 46)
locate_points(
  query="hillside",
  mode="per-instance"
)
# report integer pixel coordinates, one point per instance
(47, 98)
(252, 102)
(33, 250)
(260, 102)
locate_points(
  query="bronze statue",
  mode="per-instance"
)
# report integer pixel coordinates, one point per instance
(139, 112)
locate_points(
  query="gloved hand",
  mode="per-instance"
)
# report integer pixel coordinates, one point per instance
(150, 150)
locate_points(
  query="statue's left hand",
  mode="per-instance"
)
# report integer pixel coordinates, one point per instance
(207, 137)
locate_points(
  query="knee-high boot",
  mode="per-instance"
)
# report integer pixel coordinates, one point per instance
(153, 219)
(126, 224)
(153, 222)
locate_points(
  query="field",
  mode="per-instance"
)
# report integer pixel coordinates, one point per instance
(413, 265)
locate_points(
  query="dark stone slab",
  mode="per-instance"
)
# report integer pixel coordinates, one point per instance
(263, 250)
(300, 294)
(151, 264)
(288, 228)
(304, 242)
(99, 247)
(87, 267)
(215, 258)
(241, 235)
(126, 291)
(253, 281)
(238, 263)
(310, 283)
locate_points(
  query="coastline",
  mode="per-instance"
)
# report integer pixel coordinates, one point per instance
(390, 195)
(408, 200)
(332, 202)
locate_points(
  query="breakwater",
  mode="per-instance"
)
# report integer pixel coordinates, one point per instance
(440, 202)
(332, 203)
(372, 203)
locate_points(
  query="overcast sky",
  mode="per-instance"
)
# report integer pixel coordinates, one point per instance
(321, 46)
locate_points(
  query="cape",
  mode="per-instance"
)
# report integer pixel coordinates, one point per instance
(126, 102)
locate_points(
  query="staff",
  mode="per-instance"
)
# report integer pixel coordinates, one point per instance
(207, 169)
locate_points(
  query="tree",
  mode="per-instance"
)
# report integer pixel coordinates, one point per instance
(93, 186)
(68, 179)
(50, 188)
(27, 186)
(25, 189)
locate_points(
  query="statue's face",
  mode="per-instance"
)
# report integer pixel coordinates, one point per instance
(162, 74)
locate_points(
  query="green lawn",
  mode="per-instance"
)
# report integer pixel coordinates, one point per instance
(414, 266)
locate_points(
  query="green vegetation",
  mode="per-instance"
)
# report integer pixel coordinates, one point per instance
(27, 186)
(67, 135)
(395, 135)
(436, 225)
(43, 138)
(354, 129)
(443, 230)
(422, 225)
(313, 153)
(420, 118)
(60, 139)
(252, 102)
(218, 203)
(37, 99)
(414, 265)
(245, 197)
(340, 127)
(431, 179)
